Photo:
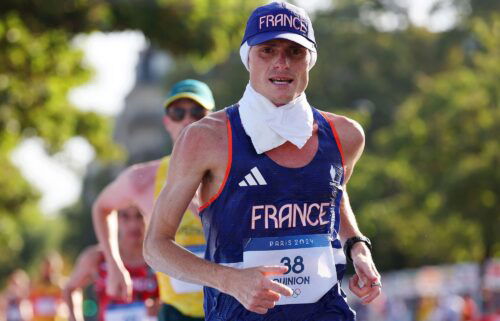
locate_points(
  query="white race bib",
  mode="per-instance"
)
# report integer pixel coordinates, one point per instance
(135, 311)
(186, 287)
(309, 258)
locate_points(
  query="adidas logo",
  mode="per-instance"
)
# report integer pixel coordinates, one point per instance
(253, 178)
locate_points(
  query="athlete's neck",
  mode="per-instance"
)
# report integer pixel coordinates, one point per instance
(289, 155)
(132, 254)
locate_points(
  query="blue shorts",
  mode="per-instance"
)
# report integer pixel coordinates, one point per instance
(169, 313)
(331, 307)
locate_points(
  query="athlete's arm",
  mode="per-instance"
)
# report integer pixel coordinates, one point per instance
(352, 141)
(200, 153)
(3, 307)
(25, 308)
(83, 275)
(117, 195)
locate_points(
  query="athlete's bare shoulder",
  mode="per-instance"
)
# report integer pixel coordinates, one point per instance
(141, 176)
(209, 127)
(205, 137)
(351, 135)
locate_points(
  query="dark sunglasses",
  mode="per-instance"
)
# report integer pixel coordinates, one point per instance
(178, 113)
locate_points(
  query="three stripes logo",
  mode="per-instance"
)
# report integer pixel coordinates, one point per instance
(253, 178)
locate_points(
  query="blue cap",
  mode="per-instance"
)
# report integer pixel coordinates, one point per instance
(192, 89)
(280, 20)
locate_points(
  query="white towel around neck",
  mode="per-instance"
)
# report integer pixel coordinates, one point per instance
(269, 126)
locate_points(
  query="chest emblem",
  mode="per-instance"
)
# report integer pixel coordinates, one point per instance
(253, 178)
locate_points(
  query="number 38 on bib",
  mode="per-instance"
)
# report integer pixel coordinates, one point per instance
(309, 258)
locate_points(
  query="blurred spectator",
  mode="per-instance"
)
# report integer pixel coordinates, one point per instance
(397, 310)
(458, 292)
(46, 293)
(91, 268)
(425, 308)
(449, 308)
(14, 303)
(491, 302)
(469, 309)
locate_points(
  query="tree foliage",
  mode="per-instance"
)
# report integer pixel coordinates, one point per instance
(436, 196)
(37, 70)
(426, 188)
(204, 30)
(38, 67)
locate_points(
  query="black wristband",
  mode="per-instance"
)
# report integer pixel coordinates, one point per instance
(353, 240)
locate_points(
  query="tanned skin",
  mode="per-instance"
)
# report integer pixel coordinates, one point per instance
(201, 157)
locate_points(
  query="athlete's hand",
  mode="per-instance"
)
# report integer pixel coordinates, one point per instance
(119, 283)
(366, 282)
(254, 290)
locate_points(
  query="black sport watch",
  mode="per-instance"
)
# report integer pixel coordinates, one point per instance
(353, 240)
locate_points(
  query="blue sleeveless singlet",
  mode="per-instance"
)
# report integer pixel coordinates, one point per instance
(263, 207)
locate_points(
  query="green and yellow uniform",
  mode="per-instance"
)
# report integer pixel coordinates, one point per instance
(190, 234)
(46, 299)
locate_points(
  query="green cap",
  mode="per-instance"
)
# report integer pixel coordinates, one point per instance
(192, 89)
